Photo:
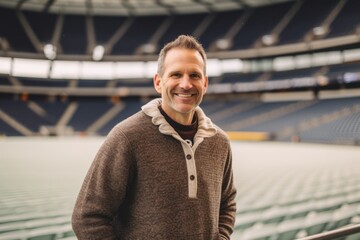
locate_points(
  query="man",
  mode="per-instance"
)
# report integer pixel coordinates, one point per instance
(165, 172)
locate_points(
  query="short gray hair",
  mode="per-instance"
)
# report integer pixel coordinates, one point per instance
(184, 42)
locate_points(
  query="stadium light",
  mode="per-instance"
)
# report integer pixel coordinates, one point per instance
(30, 68)
(213, 67)
(96, 70)
(98, 53)
(351, 55)
(65, 70)
(223, 44)
(5, 65)
(50, 51)
(148, 48)
(320, 31)
(124, 70)
(269, 39)
(232, 65)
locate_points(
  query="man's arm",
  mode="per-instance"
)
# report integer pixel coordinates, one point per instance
(228, 203)
(103, 190)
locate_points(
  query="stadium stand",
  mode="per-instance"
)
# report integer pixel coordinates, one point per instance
(313, 96)
(35, 214)
(314, 14)
(265, 18)
(235, 26)
(289, 21)
(288, 197)
(346, 15)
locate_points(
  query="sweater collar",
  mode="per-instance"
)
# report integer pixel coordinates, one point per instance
(205, 128)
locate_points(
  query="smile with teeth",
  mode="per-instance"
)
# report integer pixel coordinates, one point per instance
(184, 94)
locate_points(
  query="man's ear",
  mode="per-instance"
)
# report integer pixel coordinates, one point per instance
(206, 83)
(157, 83)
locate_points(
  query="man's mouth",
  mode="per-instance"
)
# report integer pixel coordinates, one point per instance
(184, 95)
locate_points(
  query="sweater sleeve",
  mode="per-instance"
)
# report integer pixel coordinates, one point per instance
(228, 203)
(103, 190)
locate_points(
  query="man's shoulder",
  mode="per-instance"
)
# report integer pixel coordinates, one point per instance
(129, 130)
(220, 132)
(136, 120)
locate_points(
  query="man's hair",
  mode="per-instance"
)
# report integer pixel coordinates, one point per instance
(182, 42)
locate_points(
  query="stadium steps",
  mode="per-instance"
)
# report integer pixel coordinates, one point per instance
(67, 115)
(37, 109)
(226, 112)
(105, 118)
(15, 124)
(270, 115)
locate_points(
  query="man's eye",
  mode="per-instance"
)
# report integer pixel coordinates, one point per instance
(195, 76)
(176, 75)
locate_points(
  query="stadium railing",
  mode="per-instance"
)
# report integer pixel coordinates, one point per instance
(333, 234)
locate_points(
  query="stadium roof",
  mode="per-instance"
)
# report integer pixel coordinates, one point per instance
(133, 7)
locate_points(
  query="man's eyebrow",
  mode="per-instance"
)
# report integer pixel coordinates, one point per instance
(174, 71)
(191, 71)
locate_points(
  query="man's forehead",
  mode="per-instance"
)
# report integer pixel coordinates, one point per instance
(180, 56)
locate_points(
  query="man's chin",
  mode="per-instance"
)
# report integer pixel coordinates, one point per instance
(185, 108)
(185, 100)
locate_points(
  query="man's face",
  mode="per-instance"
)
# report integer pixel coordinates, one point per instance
(183, 83)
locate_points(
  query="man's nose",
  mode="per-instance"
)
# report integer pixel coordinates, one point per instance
(185, 82)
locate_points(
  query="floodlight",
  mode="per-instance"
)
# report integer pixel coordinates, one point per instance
(50, 51)
(223, 44)
(320, 31)
(98, 53)
(148, 48)
(269, 39)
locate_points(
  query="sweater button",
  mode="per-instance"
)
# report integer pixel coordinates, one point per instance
(188, 156)
(192, 177)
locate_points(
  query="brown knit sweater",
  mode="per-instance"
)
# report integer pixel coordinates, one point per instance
(148, 183)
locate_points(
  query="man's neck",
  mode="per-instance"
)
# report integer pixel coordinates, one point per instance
(185, 131)
(181, 118)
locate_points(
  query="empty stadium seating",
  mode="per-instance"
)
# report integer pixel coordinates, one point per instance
(309, 197)
(275, 201)
(322, 120)
(35, 213)
(291, 22)
(278, 197)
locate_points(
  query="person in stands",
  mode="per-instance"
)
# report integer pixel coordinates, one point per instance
(166, 171)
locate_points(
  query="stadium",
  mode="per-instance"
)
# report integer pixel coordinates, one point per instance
(284, 83)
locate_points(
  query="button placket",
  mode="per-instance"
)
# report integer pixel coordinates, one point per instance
(191, 171)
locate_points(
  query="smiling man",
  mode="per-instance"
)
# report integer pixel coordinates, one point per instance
(181, 81)
(165, 172)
